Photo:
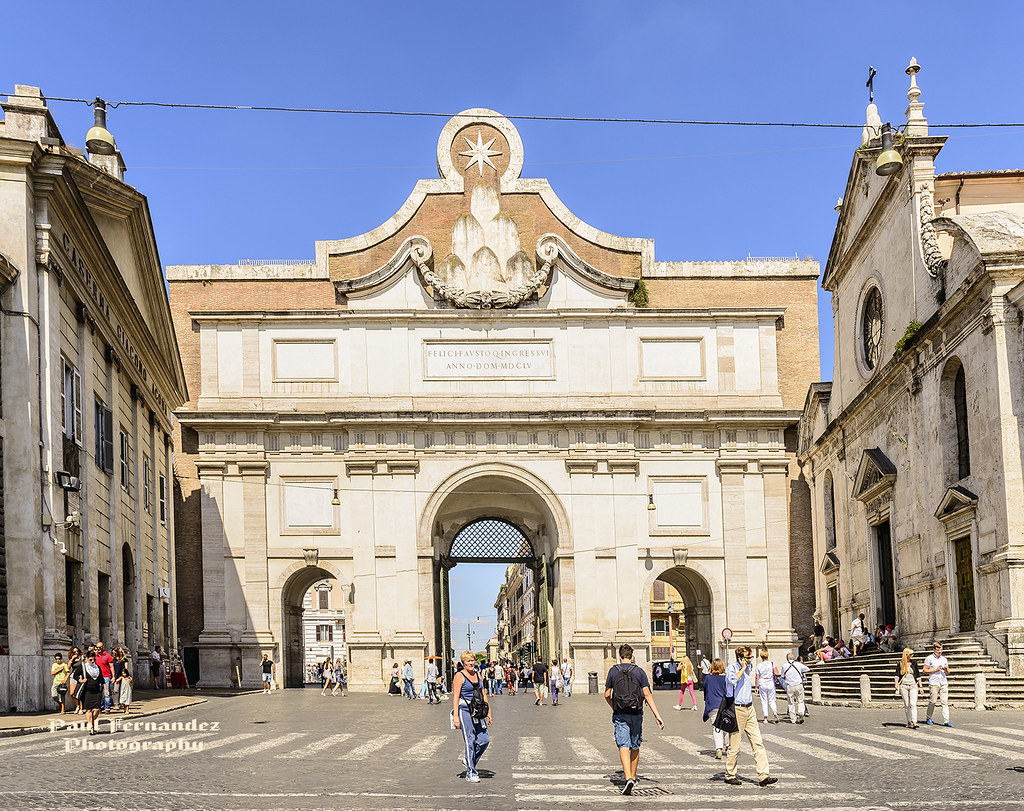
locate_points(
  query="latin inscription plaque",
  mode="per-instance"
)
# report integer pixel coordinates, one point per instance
(489, 360)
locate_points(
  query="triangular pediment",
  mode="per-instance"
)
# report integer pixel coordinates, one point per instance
(829, 563)
(955, 501)
(874, 474)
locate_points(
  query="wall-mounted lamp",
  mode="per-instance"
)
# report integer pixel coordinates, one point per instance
(335, 501)
(650, 502)
(889, 161)
(66, 481)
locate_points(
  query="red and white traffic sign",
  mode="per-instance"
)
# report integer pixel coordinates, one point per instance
(727, 634)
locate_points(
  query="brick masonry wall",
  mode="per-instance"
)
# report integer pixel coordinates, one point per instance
(197, 296)
(799, 360)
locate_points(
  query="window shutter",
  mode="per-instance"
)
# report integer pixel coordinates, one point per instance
(78, 406)
(108, 440)
(64, 396)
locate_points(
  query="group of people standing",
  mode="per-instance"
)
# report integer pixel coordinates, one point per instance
(97, 681)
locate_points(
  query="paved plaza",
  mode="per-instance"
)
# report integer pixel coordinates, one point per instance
(297, 750)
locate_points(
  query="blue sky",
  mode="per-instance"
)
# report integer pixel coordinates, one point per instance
(224, 186)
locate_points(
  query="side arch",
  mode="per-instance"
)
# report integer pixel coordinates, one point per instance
(697, 585)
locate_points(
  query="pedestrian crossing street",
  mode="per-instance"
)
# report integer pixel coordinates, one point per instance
(788, 747)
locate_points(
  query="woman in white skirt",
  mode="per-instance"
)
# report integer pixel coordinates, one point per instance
(764, 680)
(908, 685)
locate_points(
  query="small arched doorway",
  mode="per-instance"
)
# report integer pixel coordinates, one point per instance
(680, 611)
(129, 600)
(293, 605)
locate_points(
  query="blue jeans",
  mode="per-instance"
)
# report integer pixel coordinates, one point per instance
(107, 699)
(408, 690)
(474, 736)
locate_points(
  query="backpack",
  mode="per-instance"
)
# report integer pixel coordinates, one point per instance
(627, 694)
(478, 708)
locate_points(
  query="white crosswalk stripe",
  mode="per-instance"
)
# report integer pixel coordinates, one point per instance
(861, 748)
(262, 746)
(813, 751)
(315, 747)
(1011, 731)
(950, 739)
(585, 751)
(682, 744)
(1016, 747)
(57, 744)
(918, 745)
(215, 744)
(370, 747)
(613, 798)
(531, 750)
(650, 755)
(426, 749)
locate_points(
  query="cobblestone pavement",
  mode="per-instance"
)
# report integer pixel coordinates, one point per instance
(297, 750)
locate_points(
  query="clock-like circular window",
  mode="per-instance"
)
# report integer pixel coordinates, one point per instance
(872, 323)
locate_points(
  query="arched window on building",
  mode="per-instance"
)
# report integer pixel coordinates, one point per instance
(830, 512)
(963, 448)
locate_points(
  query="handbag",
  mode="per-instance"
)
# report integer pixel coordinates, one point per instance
(725, 719)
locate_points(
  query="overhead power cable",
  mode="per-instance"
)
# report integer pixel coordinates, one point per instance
(563, 118)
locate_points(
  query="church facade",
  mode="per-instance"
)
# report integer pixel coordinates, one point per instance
(485, 377)
(913, 452)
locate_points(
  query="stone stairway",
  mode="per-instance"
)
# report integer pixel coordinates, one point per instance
(840, 679)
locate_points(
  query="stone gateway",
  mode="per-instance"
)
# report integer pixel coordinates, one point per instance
(474, 380)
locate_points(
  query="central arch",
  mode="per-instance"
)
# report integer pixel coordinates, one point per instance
(497, 513)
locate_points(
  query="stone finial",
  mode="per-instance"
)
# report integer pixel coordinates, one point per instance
(915, 92)
(917, 124)
(872, 125)
(839, 204)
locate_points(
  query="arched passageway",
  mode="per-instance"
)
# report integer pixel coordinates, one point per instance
(292, 598)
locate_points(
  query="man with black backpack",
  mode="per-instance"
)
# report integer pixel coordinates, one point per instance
(626, 690)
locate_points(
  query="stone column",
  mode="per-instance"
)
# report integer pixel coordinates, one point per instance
(364, 642)
(216, 668)
(257, 638)
(734, 541)
(594, 618)
(776, 520)
(410, 638)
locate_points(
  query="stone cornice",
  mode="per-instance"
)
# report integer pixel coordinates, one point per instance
(421, 317)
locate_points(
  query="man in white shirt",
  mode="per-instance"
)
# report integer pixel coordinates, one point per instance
(793, 677)
(704, 665)
(566, 676)
(499, 678)
(936, 667)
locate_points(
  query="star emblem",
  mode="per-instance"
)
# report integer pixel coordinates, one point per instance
(480, 153)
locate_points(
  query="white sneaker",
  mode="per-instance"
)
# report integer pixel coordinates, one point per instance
(473, 778)
(678, 707)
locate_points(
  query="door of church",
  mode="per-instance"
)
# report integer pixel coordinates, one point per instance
(887, 586)
(965, 583)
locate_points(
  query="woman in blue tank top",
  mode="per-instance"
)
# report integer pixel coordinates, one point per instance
(474, 730)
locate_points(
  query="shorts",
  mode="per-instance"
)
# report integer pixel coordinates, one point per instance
(627, 730)
(268, 678)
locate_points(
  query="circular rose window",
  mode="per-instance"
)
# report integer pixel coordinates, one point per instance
(872, 323)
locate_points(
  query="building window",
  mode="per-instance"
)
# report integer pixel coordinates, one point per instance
(147, 494)
(830, 512)
(126, 470)
(162, 494)
(963, 449)
(324, 633)
(323, 599)
(104, 438)
(71, 399)
(872, 324)
(659, 627)
(103, 593)
(658, 591)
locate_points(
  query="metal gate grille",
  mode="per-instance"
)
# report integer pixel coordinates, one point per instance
(491, 540)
